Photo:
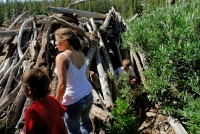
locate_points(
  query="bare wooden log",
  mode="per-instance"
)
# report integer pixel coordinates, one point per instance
(15, 111)
(101, 43)
(44, 45)
(176, 125)
(96, 99)
(84, 19)
(117, 42)
(90, 55)
(75, 3)
(142, 59)
(9, 82)
(7, 40)
(118, 51)
(103, 80)
(94, 27)
(20, 36)
(122, 23)
(9, 98)
(76, 29)
(95, 80)
(7, 73)
(106, 22)
(21, 119)
(92, 49)
(6, 65)
(104, 64)
(100, 114)
(89, 27)
(33, 42)
(20, 104)
(79, 13)
(17, 20)
(131, 19)
(110, 71)
(139, 67)
(9, 33)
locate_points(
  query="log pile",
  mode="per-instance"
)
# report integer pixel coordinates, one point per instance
(29, 43)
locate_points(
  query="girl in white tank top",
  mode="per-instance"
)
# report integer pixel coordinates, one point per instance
(73, 89)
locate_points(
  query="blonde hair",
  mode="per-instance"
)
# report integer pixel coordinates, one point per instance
(68, 34)
(126, 62)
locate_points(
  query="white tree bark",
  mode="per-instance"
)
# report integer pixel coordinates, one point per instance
(104, 81)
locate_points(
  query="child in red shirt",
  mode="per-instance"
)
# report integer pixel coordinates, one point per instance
(45, 115)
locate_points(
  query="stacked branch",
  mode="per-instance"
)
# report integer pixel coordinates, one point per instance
(29, 43)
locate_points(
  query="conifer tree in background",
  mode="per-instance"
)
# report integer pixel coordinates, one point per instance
(1, 13)
(43, 7)
(39, 7)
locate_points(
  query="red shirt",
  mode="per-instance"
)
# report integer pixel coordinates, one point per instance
(45, 117)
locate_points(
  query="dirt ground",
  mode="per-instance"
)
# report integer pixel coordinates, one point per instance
(150, 118)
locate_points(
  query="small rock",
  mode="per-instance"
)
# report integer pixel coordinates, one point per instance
(150, 114)
(157, 106)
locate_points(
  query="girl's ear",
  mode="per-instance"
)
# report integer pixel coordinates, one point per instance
(29, 91)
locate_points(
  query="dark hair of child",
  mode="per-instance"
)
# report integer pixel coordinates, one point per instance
(38, 81)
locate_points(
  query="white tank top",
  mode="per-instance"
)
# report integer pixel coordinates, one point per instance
(78, 85)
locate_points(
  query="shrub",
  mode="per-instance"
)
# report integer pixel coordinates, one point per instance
(124, 115)
(170, 39)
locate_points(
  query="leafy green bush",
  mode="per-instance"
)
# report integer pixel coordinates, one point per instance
(170, 39)
(124, 115)
(191, 112)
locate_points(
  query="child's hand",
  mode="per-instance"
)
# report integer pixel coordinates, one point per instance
(21, 132)
(133, 81)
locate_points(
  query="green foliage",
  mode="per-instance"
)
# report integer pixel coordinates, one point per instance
(1, 14)
(170, 39)
(124, 115)
(191, 112)
(125, 120)
(101, 6)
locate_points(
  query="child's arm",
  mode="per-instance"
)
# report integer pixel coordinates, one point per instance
(61, 73)
(133, 76)
(21, 132)
(133, 80)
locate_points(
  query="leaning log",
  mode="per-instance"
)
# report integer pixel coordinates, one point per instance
(108, 101)
(9, 99)
(100, 113)
(75, 3)
(7, 88)
(176, 125)
(17, 20)
(106, 22)
(9, 33)
(139, 67)
(79, 13)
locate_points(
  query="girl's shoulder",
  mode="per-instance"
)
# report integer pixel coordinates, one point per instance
(62, 57)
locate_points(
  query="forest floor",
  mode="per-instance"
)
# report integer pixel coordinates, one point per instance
(150, 119)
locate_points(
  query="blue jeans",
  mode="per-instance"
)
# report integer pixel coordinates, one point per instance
(77, 118)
